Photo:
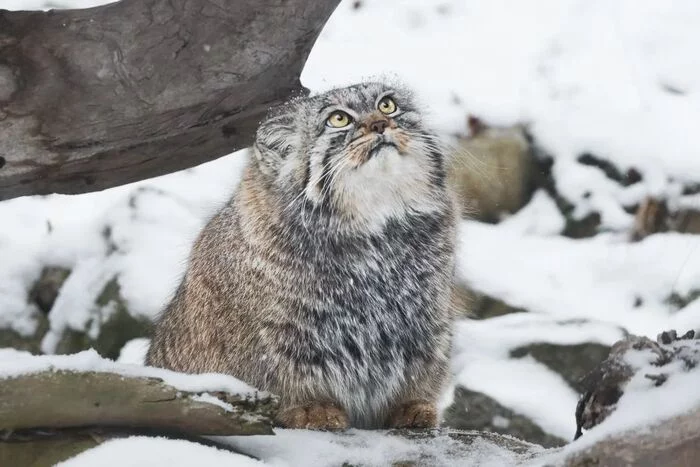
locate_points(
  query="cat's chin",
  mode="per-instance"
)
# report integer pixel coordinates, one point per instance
(385, 161)
(383, 148)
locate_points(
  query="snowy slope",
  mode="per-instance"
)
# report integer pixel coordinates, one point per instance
(619, 79)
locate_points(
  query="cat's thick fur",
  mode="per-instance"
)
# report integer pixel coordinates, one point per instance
(326, 278)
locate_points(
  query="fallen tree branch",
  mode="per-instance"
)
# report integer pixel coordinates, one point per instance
(67, 399)
(95, 98)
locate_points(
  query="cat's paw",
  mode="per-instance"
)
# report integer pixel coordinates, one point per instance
(414, 414)
(316, 416)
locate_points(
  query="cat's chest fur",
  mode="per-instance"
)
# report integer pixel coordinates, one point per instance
(374, 307)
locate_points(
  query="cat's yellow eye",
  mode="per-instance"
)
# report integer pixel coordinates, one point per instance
(387, 105)
(339, 119)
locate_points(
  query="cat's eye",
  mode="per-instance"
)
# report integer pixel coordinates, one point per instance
(387, 105)
(339, 119)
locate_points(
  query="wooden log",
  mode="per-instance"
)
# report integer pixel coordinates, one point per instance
(68, 399)
(99, 97)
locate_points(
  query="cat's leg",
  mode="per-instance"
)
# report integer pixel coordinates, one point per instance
(416, 407)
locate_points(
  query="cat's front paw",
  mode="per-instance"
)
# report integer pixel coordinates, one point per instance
(316, 416)
(414, 414)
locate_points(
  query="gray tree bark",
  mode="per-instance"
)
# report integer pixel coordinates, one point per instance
(95, 98)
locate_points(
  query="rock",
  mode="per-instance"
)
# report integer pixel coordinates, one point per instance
(686, 221)
(43, 295)
(651, 217)
(540, 217)
(496, 171)
(476, 411)
(603, 387)
(32, 343)
(46, 288)
(572, 362)
(425, 448)
(490, 307)
(674, 442)
(624, 178)
(467, 437)
(678, 301)
(584, 227)
(492, 171)
(116, 326)
(654, 216)
(468, 303)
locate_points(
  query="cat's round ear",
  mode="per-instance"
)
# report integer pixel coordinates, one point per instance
(275, 139)
(268, 159)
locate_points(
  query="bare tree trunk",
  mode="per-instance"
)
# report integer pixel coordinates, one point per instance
(95, 98)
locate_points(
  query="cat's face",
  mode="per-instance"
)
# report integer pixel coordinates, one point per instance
(362, 149)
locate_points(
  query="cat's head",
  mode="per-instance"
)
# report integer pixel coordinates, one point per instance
(363, 151)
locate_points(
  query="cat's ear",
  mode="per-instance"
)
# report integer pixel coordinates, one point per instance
(267, 158)
(276, 140)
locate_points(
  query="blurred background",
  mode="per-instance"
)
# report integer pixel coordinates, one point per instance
(572, 127)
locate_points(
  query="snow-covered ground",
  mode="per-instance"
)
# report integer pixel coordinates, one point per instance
(619, 79)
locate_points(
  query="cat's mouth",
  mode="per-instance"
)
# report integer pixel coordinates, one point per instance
(381, 144)
(366, 148)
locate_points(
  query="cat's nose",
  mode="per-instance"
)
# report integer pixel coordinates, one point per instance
(378, 126)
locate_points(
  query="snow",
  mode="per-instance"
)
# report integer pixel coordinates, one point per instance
(619, 80)
(378, 448)
(283, 450)
(640, 392)
(73, 306)
(586, 76)
(209, 399)
(539, 217)
(14, 363)
(149, 452)
(522, 391)
(597, 278)
(140, 232)
(600, 278)
(134, 351)
(481, 363)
